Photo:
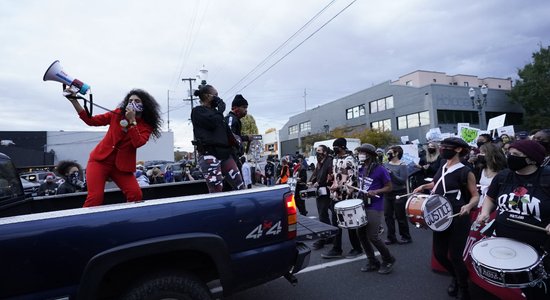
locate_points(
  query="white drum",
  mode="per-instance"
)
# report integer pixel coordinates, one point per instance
(351, 213)
(432, 211)
(507, 263)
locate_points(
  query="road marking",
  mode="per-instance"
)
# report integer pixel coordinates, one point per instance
(334, 263)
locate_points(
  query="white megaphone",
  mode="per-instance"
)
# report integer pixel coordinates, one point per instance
(56, 73)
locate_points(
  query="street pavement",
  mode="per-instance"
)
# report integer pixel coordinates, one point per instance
(412, 276)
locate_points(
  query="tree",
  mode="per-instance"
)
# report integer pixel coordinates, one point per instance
(270, 130)
(532, 90)
(249, 125)
(375, 137)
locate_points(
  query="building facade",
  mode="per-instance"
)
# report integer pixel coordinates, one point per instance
(409, 106)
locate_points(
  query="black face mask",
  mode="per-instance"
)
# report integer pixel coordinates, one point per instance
(448, 153)
(215, 101)
(431, 150)
(390, 156)
(516, 163)
(481, 160)
(479, 144)
(545, 144)
(320, 156)
(336, 149)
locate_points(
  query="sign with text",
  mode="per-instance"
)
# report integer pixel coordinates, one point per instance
(468, 134)
(496, 122)
(434, 134)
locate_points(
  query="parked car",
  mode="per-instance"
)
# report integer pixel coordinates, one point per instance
(35, 176)
(30, 188)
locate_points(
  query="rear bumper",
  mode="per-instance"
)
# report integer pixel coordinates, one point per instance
(302, 257)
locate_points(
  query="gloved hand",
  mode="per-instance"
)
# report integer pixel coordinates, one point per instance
(221, 106)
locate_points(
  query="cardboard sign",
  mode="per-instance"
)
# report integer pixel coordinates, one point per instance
(468, 134)
(496, 122)
(404, 139)
(434, 134)
(410, 154)
(509, 130)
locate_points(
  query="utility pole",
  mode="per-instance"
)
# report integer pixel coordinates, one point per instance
(168, 104)
(305, 106)
(191, 99)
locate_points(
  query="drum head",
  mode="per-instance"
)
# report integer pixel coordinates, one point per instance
(503, 253)
(436, 211)
(348, 203)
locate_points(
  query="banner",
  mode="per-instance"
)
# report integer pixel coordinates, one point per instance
(496, 122)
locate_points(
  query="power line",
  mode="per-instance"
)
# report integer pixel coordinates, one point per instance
(292, 50)
(264, 61)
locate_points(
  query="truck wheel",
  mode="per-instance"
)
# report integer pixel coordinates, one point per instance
(181, 286)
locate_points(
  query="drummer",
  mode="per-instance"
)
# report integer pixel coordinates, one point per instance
(373, 181)
(457, 183)
(523, 194)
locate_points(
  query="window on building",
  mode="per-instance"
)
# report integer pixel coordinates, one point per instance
(381, 104)
(413, 120)
(355, 112)
(293, 129)
(383, 125)
(305, 126)
(457, 116)
(466, 83)
(409, 83)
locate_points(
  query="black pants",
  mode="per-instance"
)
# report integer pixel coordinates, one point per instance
(323, 207)
(352, 233)
(394, 209)
(448, 246)
(300, 203)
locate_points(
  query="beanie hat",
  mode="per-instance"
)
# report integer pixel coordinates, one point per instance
(239, 100)
(532, 149)
(340, 142)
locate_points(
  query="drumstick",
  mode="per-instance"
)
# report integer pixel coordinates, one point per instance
(360, 190)
(401, 196)
(452, 216)
(527, 225)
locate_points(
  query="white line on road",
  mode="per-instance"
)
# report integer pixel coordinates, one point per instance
(334, 263)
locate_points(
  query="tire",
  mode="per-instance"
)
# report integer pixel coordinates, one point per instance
(181, 286)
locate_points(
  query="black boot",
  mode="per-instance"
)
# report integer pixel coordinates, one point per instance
(463, 293)
(452, 290)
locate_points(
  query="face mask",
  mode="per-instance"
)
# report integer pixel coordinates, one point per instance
(448, 153)
(137, 107)
(320, 156)
(545, 144)
(390, 156)
(481, 160)
(362, 157)
(336, 149)
(215, 101)
(74, 180)
(431, 150)
(479, 144)
(516, 163)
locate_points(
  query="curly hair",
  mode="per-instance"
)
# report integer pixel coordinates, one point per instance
(203, 91)
(65, 165)
(151, 110)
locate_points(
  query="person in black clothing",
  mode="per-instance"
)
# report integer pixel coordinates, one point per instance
(300, 174)
(522, 193)
(457, 183)
(269, 170)
(239, 109)
(212, 138)
(49, 187)
(71, 172)
(322, 180)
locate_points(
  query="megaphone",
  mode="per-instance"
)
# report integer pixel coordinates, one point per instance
(56, 73)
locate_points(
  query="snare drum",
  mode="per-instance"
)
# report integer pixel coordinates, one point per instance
(430, 211)
(507, 263)
(351, 213)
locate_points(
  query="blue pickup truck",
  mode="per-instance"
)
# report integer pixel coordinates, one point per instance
(174, 245)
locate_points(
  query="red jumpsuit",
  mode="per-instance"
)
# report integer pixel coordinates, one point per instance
(115, 156)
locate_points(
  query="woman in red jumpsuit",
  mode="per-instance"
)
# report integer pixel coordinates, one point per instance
(130, 126)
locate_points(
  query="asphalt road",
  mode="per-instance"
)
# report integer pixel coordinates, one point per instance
(412, 276)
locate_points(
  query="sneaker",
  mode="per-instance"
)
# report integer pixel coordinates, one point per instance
(404, 241)
(318, 244)
(390, 241)
(332, 253)
(371, 266)
(353, 253)
(386, 266)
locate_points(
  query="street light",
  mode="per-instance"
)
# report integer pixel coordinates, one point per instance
(478, 102)
(203, 76)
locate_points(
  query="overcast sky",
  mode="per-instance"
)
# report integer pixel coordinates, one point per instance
(118, 45)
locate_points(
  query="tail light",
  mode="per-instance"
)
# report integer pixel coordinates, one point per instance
(291, 215)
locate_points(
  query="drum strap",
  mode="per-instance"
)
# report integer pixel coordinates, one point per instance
(442, 178)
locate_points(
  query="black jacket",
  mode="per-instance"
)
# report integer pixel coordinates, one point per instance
(210, 132)
(236, 126)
